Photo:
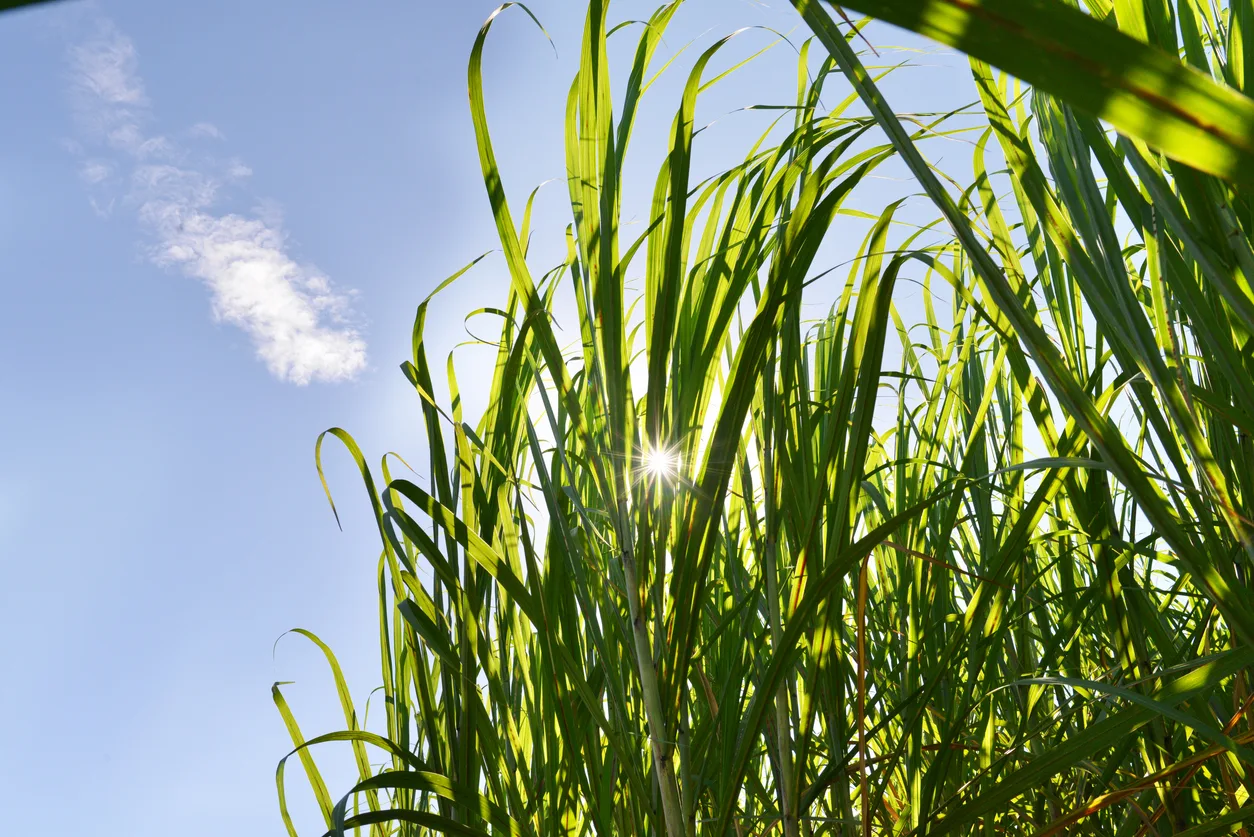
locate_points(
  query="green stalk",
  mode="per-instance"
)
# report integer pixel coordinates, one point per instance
(783, 738)
(663, 750)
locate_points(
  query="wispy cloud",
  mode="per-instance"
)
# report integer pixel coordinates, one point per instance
(298, 321)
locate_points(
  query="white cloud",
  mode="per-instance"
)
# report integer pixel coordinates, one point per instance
(255, 285)
(297, 320)
(96, 171)
(106, 68)
(205, 129)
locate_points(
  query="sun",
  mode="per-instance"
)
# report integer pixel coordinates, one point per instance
(661, 464)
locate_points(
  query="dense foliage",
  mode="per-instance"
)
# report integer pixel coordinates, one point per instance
(691, 577)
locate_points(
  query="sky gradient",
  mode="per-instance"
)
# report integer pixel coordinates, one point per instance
(216, 221)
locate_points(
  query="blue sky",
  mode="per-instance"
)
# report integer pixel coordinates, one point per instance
(216, 220)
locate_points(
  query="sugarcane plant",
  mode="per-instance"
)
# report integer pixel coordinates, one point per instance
(1166, 311)
(713, 566)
